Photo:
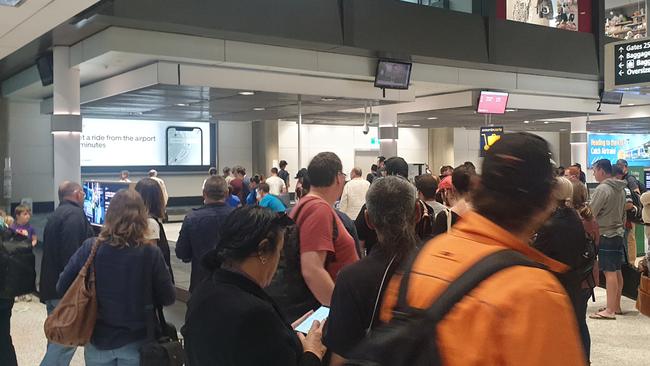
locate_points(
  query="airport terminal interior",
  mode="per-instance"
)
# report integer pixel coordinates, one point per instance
(109, 93)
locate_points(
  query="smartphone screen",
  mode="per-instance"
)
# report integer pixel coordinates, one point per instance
(321, 314)
(184, 146)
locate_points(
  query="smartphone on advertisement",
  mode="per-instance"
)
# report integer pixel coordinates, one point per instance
(321, 314)
(184, 145)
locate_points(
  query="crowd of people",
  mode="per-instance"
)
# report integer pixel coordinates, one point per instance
(521, 237)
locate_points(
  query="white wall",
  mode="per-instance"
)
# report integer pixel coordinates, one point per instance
(413, 143)
(235, 144)
(467, 145)
(30, 149)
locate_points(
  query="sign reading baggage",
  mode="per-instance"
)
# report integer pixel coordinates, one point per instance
(632, 63)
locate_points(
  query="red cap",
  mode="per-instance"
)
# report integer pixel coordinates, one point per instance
(445, 183)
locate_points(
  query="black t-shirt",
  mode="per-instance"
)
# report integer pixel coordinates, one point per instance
(353, 302)
(284, 175)
(365, 233)
(440, 227)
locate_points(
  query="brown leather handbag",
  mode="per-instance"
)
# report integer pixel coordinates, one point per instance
(73, 321)
(643, 300)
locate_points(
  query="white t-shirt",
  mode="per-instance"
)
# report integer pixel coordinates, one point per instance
(153, 230)
(276, 185)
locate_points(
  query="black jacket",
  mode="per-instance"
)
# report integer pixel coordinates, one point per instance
(65, 231)
(231, 321)
(563, 238)
(200, 234)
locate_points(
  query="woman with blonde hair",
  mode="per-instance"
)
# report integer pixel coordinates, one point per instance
(563, 238)
(124, 262)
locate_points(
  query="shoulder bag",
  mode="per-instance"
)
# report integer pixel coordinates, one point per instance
(73, 321)
(162, 347)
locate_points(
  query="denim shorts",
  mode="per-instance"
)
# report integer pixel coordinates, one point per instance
(611, 254)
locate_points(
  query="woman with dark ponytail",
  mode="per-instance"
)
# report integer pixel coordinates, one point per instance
(230, 320)
(391, 212)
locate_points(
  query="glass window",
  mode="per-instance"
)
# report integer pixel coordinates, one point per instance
(625, 19)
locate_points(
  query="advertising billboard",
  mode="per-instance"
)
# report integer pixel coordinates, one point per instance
(635, 148)
(123, 143)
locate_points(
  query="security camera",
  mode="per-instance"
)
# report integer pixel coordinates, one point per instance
(366, 128)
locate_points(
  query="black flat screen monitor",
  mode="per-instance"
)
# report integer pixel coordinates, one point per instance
(608, 97)
(98, 198)
(393, 74)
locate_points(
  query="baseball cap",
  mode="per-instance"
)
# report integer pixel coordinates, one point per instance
(301, 173)
(445, 183)
(519, 165)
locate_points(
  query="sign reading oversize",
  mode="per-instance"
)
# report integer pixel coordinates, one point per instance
(489, 135)
(632, 63)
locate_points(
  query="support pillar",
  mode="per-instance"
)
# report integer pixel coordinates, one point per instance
(66, 101)
(579, 142)
(387, 118)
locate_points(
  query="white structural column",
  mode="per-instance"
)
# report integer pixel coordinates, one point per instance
(579, 142)
(387, 118)
(67, 164)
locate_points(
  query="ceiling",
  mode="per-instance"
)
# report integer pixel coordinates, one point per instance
(188, 103)
(32, 18)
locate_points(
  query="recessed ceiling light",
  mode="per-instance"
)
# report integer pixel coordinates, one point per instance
(546, 122)
(246, 93)
(526, 121)
(630, 104)
(182, 104)
(432, 118)
(259, 109)
(325, 99)
(511, 110)
(563, 129)
(416, 125)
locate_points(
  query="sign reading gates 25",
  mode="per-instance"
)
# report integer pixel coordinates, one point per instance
(631, 147)
(489, 135)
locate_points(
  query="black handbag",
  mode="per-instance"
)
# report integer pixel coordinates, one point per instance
(162, 348)
(17, 269)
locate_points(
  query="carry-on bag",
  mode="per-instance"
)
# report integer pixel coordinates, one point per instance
(73, 320)
(162, 348)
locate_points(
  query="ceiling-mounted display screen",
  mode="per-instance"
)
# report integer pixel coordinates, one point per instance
(393, 74)
(125, 143)
(608, 97)
(492, 102)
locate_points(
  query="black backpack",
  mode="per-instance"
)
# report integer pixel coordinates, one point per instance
(17, 269)
(288, 288)
(635, 214)
(410, 337)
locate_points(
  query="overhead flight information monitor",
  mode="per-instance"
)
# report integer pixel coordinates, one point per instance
(492, 102)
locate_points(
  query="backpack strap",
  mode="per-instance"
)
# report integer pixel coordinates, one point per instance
(473, 277)
(459, 288)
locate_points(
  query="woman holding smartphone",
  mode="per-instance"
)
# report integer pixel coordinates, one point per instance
(230, 319)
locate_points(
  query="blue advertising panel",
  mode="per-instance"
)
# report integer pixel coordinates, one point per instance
(633, 148)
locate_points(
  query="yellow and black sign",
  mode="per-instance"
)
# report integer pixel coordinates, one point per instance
(489, 135)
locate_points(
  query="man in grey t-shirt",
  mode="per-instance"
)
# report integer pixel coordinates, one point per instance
(608, 206)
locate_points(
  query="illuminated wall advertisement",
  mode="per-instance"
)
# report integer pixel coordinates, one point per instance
(633, 148)
(117, 143)
(562, 14)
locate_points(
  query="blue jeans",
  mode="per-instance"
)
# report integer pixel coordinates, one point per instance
(128, 355)
(7, 352)
(56, 354)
